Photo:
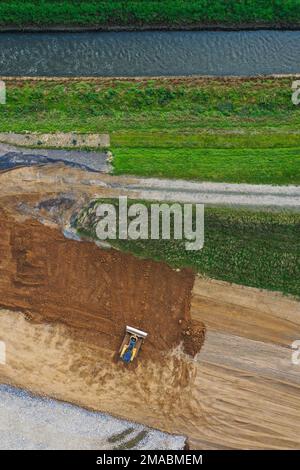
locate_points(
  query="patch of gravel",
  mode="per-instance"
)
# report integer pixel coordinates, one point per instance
(56, 139)
(95, 161)
(29, 422)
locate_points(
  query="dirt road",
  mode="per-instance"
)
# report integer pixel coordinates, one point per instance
(216, 193)
(102, 184)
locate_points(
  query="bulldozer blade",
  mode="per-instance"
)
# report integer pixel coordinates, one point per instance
(135, 331)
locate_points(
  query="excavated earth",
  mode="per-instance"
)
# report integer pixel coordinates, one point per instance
(96, 292)
(216, 366)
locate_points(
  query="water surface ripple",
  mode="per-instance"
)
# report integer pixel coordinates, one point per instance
(150, 53)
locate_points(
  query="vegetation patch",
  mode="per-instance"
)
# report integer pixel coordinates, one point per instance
(252, 248)
(179, 108)
(257, 166)
(139, 13)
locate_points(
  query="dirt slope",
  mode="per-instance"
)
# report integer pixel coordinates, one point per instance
(96, 292)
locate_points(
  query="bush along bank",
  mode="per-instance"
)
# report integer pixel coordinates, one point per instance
(137, 14)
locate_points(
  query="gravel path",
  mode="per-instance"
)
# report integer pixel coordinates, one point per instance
(28, 422)
(216, 193)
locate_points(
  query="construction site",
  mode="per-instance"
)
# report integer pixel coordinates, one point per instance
(214, 364)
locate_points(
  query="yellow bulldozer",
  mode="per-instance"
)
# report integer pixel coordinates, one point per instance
(131, 344)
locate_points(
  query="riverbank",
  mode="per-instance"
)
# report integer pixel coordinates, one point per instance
(68, 15)
(152, 104)
(62, 28)
(235, 130)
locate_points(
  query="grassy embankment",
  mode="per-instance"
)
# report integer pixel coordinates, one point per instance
(217, 130)
(258, 249)
(139, 13)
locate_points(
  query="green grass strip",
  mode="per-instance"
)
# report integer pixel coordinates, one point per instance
(257, 166)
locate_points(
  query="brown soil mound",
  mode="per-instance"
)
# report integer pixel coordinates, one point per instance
(94, 291)
(193, 337)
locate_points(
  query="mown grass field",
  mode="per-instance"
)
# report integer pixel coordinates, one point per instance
(222, 130)
(258, 249)
(257, 166)
(148, 12)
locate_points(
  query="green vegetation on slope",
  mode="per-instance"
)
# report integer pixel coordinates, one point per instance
(148, 12)
(161, 127)
(258, 249)
(178, 106)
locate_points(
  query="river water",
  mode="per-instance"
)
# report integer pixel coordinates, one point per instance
(150, 53)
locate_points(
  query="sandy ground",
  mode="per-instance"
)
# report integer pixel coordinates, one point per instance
(246, 362)
(28, 422)
(241, 391)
